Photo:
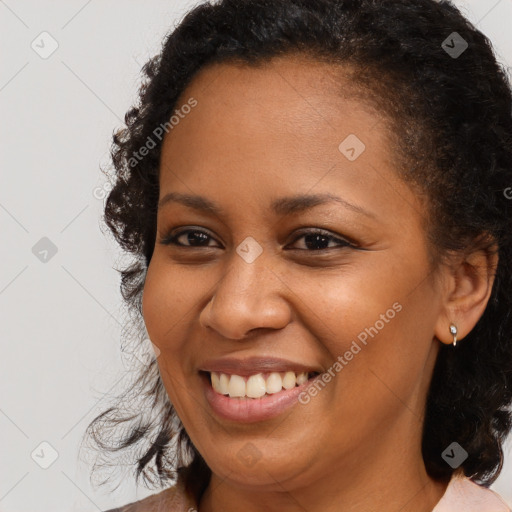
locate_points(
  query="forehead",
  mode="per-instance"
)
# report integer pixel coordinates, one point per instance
(287, 85)
(276, 105)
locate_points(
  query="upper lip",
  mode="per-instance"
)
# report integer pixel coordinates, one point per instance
(253, 365)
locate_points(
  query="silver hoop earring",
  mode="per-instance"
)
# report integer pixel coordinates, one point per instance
(453, 331)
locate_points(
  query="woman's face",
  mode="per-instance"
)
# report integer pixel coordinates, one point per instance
(254, 279)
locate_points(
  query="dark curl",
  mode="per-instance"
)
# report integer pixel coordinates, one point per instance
(451, 126)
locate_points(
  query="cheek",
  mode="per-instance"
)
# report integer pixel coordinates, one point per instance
(165, 310)
(166, 303)
(155, 304)
(171, 306)
(379, 320)
(354, 304)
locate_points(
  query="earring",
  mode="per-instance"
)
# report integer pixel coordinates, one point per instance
(453, 331)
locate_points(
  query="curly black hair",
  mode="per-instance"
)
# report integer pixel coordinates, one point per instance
(448, 108)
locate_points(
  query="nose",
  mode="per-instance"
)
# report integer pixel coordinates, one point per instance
(249, 296)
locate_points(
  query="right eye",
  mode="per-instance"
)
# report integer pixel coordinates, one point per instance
(195, 237)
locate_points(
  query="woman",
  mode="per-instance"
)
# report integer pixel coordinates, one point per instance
(318, 196)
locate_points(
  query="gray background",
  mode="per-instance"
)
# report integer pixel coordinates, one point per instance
(62, 319)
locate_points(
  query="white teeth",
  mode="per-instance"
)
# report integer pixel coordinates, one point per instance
(216, 382)
(289, 380)
(256, 386)
(224, 384)
(301, 378)
(236, 386)
(274, 383)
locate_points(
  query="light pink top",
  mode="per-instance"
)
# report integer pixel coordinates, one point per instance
(462, 495)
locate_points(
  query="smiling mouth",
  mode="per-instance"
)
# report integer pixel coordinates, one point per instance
(258, 385)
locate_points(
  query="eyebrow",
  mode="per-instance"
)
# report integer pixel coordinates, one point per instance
(282, 206)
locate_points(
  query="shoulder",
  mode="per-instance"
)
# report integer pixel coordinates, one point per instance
(463, 495)
(173, 499)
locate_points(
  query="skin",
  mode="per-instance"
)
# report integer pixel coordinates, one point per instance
(258, 134)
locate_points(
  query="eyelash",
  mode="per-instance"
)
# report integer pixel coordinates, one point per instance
(172, 238)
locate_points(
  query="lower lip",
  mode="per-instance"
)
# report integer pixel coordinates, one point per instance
(249, 410)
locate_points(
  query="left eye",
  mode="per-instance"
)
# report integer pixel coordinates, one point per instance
(314, 239)
(320, 240)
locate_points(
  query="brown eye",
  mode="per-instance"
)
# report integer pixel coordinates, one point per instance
(188, 238)
(314, 240)
(318, 240)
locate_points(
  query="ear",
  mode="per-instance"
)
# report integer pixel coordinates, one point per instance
(468, 282)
